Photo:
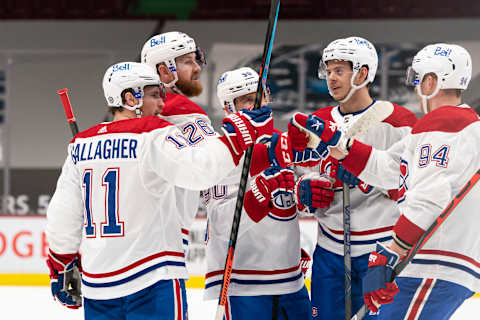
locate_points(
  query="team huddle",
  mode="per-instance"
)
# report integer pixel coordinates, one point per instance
(129, 190)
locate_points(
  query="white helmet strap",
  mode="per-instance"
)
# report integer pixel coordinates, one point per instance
(425, 97)
(353, 87)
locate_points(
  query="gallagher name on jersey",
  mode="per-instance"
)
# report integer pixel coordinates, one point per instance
(122, 148)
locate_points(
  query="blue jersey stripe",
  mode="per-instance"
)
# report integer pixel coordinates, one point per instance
(353, 242)
(253, 282)
(448, 264)
(133, 276)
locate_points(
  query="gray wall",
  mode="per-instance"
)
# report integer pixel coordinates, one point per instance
(51, 55)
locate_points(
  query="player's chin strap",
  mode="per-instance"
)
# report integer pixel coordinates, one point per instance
(353, 88)
(137, 108)
(426, 97)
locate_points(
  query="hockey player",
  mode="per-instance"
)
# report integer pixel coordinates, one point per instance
(113, 201)
(433, 162)
(267, 280)
(349, 66)
(179, 62)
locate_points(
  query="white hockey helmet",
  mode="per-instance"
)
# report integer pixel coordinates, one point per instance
(236, 83)
(451, 64)
(360, 52)
(165, 47)
(129, 75)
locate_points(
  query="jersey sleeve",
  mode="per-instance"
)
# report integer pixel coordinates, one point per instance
(378, 168)
(191, 167)
(65, 212)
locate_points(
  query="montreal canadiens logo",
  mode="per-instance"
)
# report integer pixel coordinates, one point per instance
(284, 208)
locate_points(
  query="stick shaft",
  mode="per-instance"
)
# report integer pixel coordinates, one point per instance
(428, 234)
(67, 106)
(267, 51)
(347, 260)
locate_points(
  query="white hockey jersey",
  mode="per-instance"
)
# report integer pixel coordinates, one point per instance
(196, 127)
(267, 254)
(435, 161)
(373, 212)
(117, 188)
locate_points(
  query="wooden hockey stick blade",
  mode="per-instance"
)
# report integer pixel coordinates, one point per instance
(375, 114)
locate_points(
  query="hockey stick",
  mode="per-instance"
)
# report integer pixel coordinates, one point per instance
(428, 234)
(264, 67)
(347, 259)
(376, 113)
(63, 93)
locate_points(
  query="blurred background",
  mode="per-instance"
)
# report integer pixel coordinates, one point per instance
(46, 45)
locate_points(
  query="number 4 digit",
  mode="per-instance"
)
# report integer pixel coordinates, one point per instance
(441, 156)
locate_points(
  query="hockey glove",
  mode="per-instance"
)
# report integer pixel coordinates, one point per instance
(346, 176)
(279, 150)
(306, 158)
(243, 128)
(298, 138)
(65, 279)
(313, 191)
(264, 187)
(304, 261)
(322, 134)
(378, 287)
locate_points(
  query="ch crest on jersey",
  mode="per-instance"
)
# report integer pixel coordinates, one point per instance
(282, 201)
(402, 186)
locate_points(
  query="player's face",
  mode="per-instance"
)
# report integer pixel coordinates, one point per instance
(188, 72)
(247, 101)
(339, 74)
(152, 101)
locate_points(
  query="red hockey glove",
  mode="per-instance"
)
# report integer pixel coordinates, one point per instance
(313, 191)
(65, 279)
(321, 133)
(298, 138)
(377, 286)
(265, 187)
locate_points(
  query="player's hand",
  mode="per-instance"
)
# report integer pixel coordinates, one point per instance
(65, 279)
(279, 150)
(306, 158)
(243, 128)
(346, 176)
(378, 287)
(323, 135)
(266, 186)
(313, 191)
(298, 138)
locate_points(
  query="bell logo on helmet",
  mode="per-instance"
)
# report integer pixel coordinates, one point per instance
(121, 67)
(246, 74)
(439, 51)
(154, 42)
(463, 81)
